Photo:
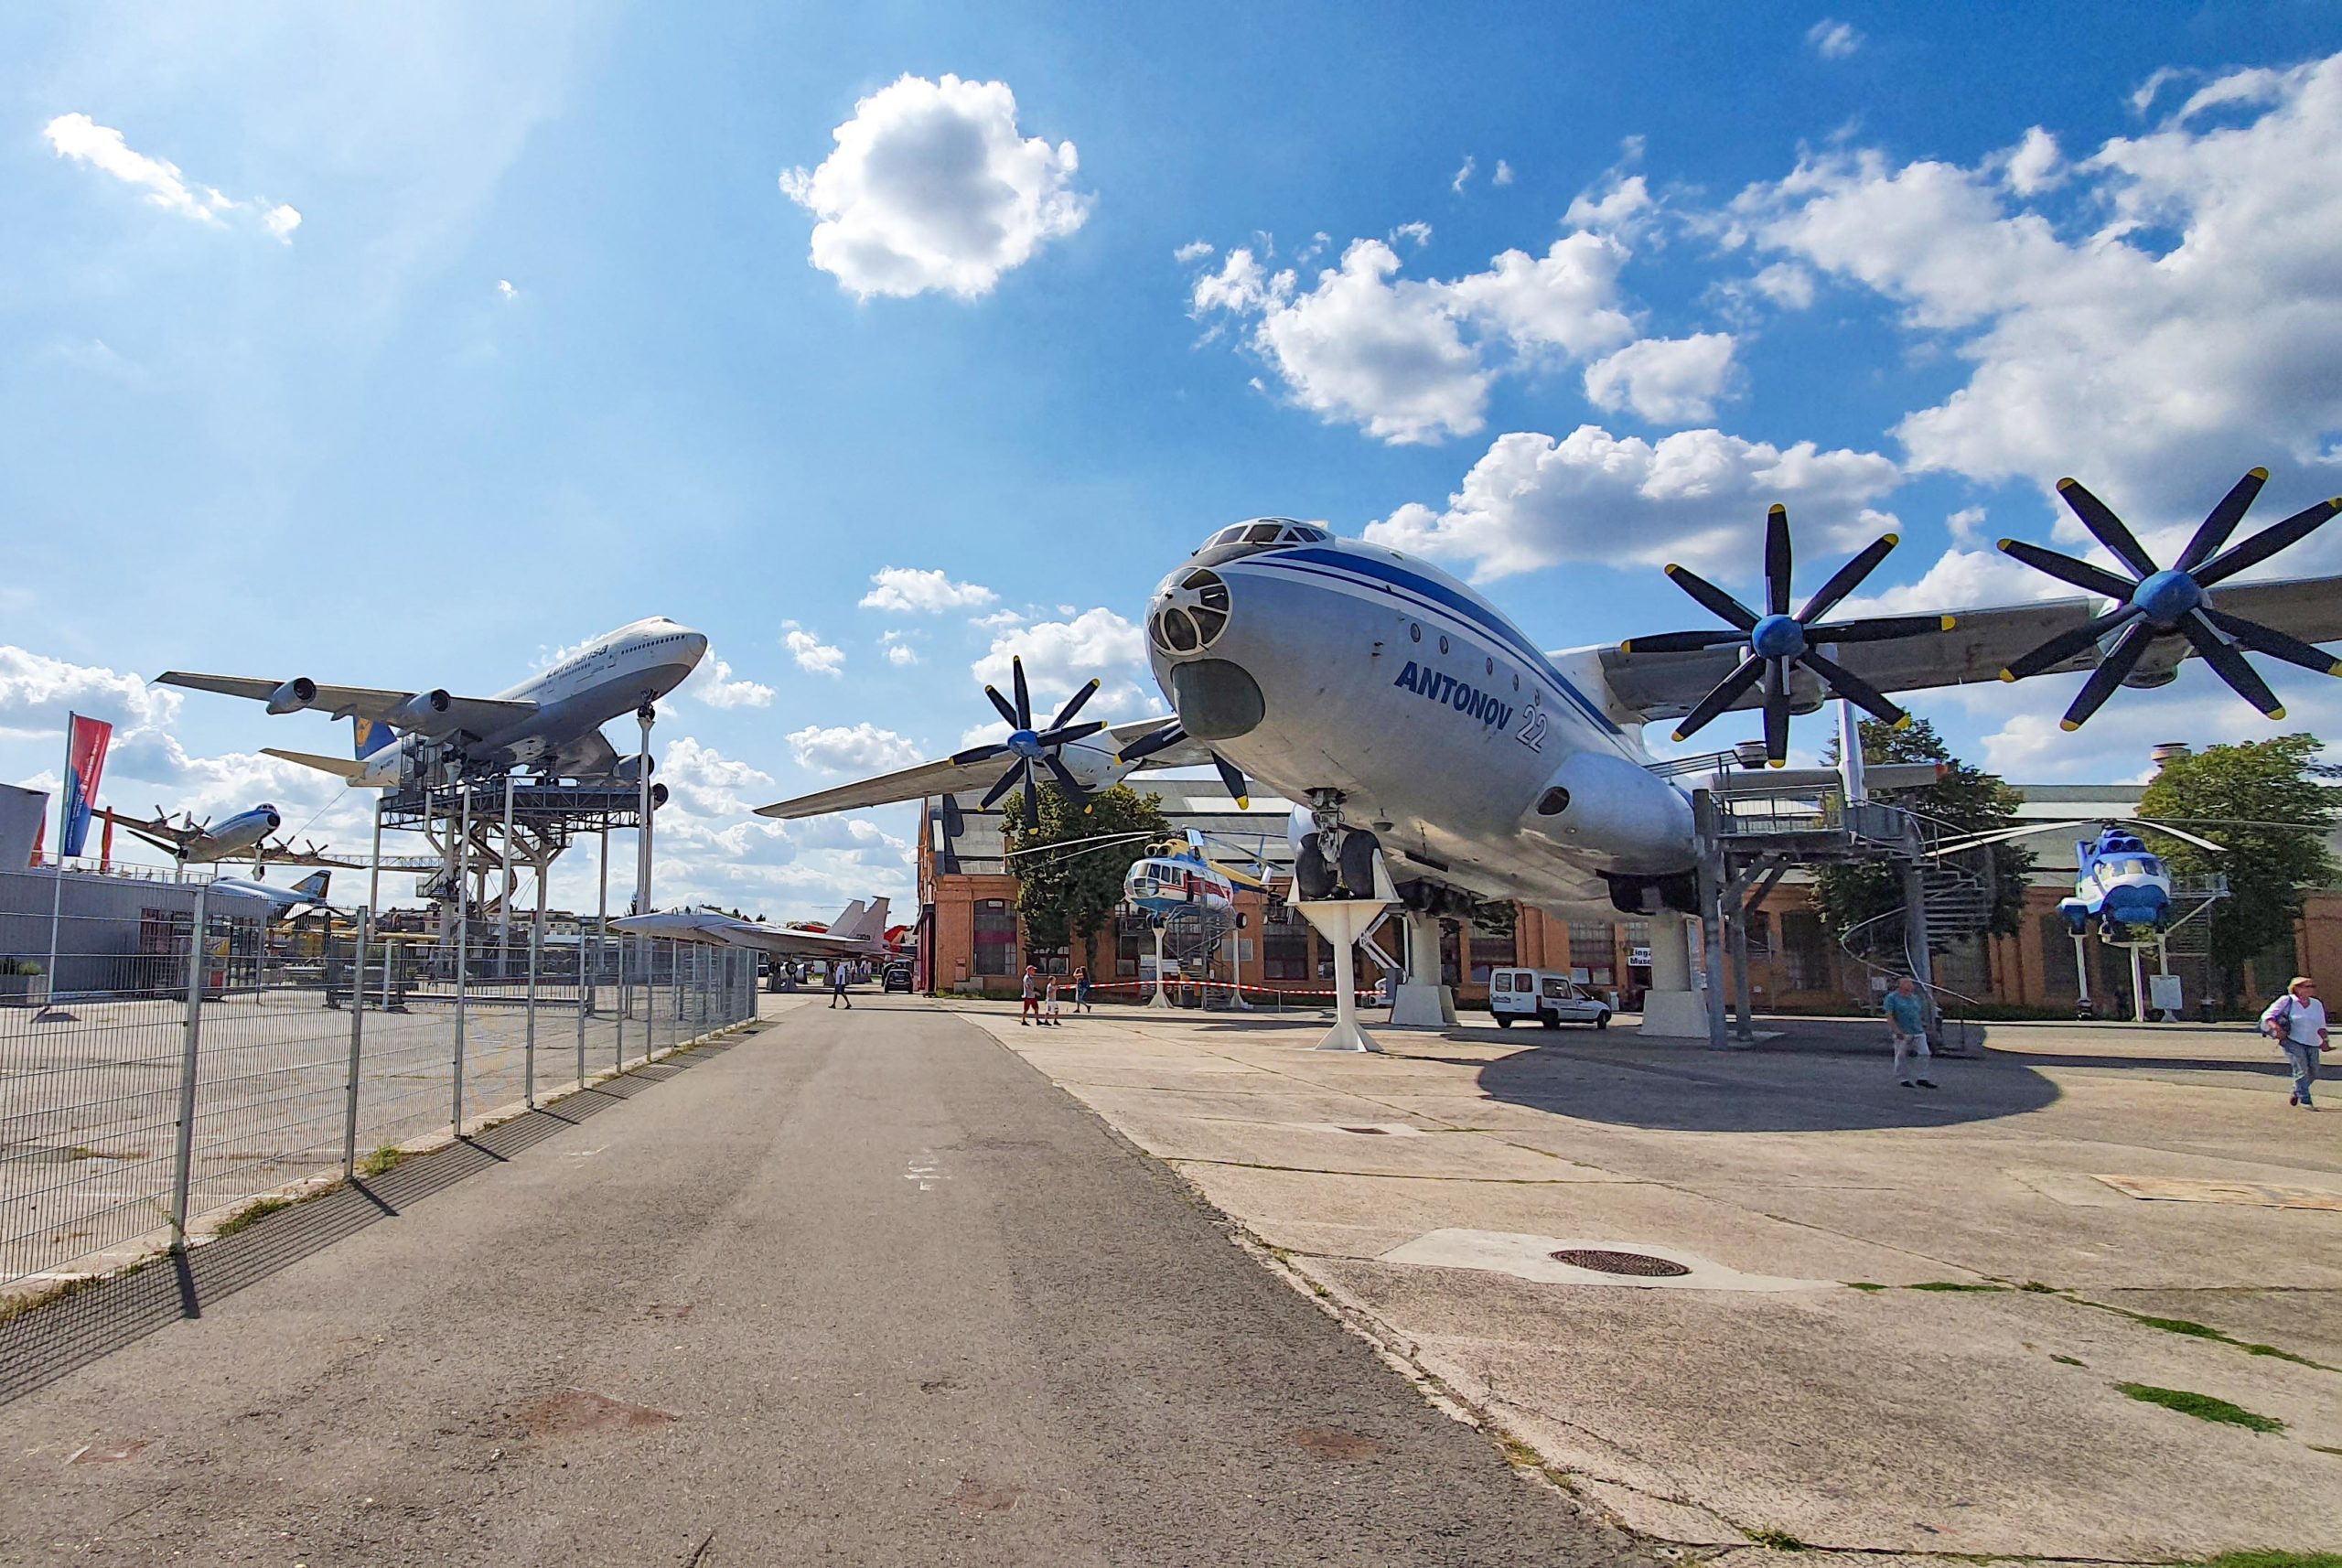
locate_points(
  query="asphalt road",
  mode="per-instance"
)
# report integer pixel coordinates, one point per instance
(864, 1288)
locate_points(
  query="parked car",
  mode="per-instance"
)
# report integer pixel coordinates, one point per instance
(897, 978)
(1541, 993)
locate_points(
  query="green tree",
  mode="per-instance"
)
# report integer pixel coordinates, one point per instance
(2263, 803)
(1965, 801)
(1066, 896)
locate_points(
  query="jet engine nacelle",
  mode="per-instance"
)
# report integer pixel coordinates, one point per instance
(293, 696)
(424, 711)
(1609, 807)
(657, 796)
(630, 768)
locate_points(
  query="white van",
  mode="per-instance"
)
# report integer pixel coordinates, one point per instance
(1541, 993)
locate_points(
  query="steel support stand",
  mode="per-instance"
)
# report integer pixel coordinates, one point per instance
(462, 950)
(504, 905)
(601, 928)
(183, 1156)
(357, 1036)
(622, 1007)
(528, 1050)
(645, 715)
(374, 873)
(2083, 1007)
(2138, 985)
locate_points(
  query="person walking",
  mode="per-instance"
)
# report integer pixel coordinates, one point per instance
(1081, 989)
(1049, 1008)
(1031, 1011)
(1906, 1025)
(2297, 1021)
(838, 977)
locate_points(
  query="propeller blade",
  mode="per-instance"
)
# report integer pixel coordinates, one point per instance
(1152, 741)
(1852, 687)
(1721, 695)
(1023, 694)
(2181, 833)
(976, 754)
(1722, 604)
(1065, 781)
(1681, 642)
(1070, 733)
(1002, 704)
(2120, 661)
(1776, 560)
(2106, 527)
(1849, 578)
(1032, 797)
(2065, 644)
(1233, 777)
(2066, 569)
(2276, 644)
(2268, 542)
(1880, 628)
(1777, 713)
(1073, 706)
(2221, 522)
(2230, 666)
(1007, 782)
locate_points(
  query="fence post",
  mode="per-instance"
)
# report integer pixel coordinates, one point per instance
(185, 1152)
(356, 1034)
(529, 1052)
(622, 1004)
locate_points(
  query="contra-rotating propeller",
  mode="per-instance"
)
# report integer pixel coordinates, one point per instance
(1778, 640)
(1171, 734)
(1030, 746)
(2162, 601)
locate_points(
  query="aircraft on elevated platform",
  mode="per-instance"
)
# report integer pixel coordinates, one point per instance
(191, 842)
(859, 931)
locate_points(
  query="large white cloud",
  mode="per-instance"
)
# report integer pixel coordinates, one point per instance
(811, 652)
(852, 749)
(713, 683)
(103, 149)
(932, 187)
(1696, 496)
(1410, 359)
(912, 590)
(1666, 380)
(1059, 655)
(2174, 320)
(37, 689)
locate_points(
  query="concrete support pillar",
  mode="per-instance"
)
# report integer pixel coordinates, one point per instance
(1421, 1001)
(1672, 1010)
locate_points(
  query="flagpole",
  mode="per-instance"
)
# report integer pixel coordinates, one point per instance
(56, 867)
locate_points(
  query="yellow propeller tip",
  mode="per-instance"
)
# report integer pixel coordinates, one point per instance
(1626, 647)
(2276, 712)
(1903, 723)
(2335, 667)
(1893, 540)
(2336, 503)
(2004, 544)
(2068, 725)
(2008, 674)
(1778, 761)
(1677, 736)
(1777, 511)
(1671, 568)
(1949, 622)
(2068, 483)
(1244, 802)
(2260, 474)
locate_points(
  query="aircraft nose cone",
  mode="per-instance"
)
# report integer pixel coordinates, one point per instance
(275, 821)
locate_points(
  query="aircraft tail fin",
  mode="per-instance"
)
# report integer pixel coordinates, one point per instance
(340, 767)
(849, 920)
(370, 735)
(874, 927)
(314, 885)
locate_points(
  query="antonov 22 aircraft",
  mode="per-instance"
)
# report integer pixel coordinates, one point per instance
(1412, 717)
(552, 721)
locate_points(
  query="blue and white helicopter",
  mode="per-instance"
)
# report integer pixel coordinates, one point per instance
(2122, 887)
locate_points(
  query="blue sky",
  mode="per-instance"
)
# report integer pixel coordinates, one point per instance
(1552, 296)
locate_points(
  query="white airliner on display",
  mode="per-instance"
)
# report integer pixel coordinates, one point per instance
(552, 721)
(1414, 716)
(857, 932)
(191, 842)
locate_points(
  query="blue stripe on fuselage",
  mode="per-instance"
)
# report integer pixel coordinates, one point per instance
(1343, 567)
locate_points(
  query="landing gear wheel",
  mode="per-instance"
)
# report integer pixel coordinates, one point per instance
(1312, 877)
(1358, 863)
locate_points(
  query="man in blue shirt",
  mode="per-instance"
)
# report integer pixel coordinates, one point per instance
(1906, 1024)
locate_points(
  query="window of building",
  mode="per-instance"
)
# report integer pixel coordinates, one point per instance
(995, 936)
(1050, 961)
(1132, 937)
(1594, 950)
(1804, 956)
(1491, 952)
(1285, 945)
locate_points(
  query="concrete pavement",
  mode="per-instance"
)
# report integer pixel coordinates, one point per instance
(1905, 1317)
(860, 1288)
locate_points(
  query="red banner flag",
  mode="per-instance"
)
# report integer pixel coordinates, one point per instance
(85, 764)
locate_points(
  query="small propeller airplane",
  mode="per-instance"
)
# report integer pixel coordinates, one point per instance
(191, 842)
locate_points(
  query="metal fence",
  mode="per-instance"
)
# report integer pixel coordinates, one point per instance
(189, 1058)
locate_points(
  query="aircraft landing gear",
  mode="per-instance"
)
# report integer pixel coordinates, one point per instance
(1336, 859)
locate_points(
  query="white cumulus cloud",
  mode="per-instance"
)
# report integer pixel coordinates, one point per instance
(911, 590)
(1696, 496)
(713, 683)
(1833, 39)
(1667, 381)
(103, 149)
(809, 652)
(1059, 655)
(856, 749)
(932, 187)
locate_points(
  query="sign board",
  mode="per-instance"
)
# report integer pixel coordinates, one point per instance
(2162, 992)
(1639, 958)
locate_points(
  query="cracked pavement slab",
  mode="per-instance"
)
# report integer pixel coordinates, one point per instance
(1977, 1417)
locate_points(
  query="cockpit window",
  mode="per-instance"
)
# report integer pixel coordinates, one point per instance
(1262, 533)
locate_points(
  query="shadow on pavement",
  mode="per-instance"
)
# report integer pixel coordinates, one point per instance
(53, 1339)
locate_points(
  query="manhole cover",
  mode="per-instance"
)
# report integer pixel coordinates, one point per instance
(1602, 1261)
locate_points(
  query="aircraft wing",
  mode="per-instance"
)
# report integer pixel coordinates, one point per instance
(791, 943)
(1979, 645)
(480, 715)
(590, 755)
(948, 777)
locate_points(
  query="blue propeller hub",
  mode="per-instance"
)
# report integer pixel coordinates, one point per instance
(1025, 743)
(1778, 637)
(2166, 597)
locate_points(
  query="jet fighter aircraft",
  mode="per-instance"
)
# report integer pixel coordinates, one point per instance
(858, 932)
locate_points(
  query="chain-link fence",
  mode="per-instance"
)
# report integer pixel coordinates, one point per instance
(158, 1065)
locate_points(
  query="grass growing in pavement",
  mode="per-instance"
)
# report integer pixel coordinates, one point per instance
(2069, 1361)
(2203, 1407)
(1779, 1539)
(2206, 1331)
(381, 1161)
(249, 1214)
(2269, 1559)
(1953, 1285)
(1864, 1285)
